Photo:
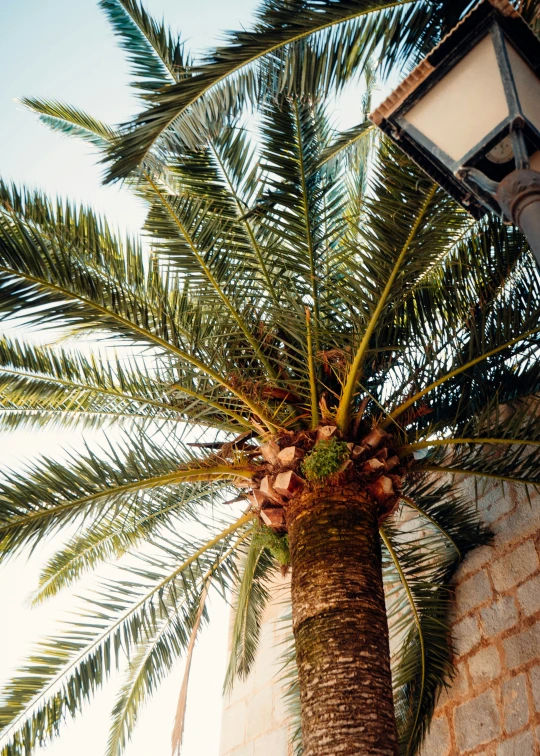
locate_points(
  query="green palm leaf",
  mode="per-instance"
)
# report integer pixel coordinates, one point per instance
(291, 277)
(67, 670)
(156, 56)
(49, 381)
(419, 572)
(227, 74)
(50, 494)
(252, 595)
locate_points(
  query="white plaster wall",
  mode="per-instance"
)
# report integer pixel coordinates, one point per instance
(254, 717)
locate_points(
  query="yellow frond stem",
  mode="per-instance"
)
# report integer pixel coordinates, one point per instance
(312, 376)
(477, 474)
(210, 276)
(402, 407)
(344, 410)
(405, 584)
(411, 503)
(218, 472)
(307, 224)
(258, 411)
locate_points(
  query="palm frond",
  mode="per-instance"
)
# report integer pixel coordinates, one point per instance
(346, 141)
(180, 716)
(156, 657)
(344, 411)
(419, 564)
(46, 277)
(200, 239)
(520, 463)
(70, 121)
(50, 493)
(156, 55)
(418, 319)
(251, 596)
(66, 671)
(111, 537)
(337, 32)
(40, 381)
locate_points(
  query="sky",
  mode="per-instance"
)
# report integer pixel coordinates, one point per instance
(64, 49)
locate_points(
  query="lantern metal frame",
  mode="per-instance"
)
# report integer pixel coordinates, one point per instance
(465, 179)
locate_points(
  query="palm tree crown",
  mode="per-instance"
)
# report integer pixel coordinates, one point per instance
(313, 308)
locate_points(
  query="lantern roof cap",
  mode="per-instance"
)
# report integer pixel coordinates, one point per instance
(476, 17)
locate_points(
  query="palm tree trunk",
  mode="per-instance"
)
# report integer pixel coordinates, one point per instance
(340, 625)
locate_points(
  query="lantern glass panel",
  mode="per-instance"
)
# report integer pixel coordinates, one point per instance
(535, 162)
(465, 106)
(527, 85)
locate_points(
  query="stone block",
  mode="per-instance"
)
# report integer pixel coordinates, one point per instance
(248, 749)
(477, 722)
(474, 561)
(461, 681)
(528, 596)
(495, 505)
(534, 677)
(524, 521)
(259, 713)
(267, 664)
(233, 727)
(466, 635)
(273, 743)
(522, 647)
(472, 592)
(515, 567)
(520, 745)
(280, 595)
(279, 709)
(500, 616)
(515, 703)
(437, 742)
(485, 665)
(242, 688)
(458, 687)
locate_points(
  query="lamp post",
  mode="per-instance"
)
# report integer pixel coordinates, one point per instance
(469, 115)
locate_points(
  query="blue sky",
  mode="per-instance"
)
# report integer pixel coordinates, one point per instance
(65, 49)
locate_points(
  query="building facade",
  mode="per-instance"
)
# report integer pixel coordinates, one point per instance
(493, 705)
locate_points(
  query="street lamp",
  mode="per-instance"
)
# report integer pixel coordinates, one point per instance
(469, 115)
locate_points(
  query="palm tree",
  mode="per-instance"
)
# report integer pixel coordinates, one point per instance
(319, 349)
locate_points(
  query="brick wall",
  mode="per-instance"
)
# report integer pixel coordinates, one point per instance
(493, 705)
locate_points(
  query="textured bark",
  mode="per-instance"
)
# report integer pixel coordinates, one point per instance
(340, 625)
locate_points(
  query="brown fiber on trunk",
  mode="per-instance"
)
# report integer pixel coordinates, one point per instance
(340, 625)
